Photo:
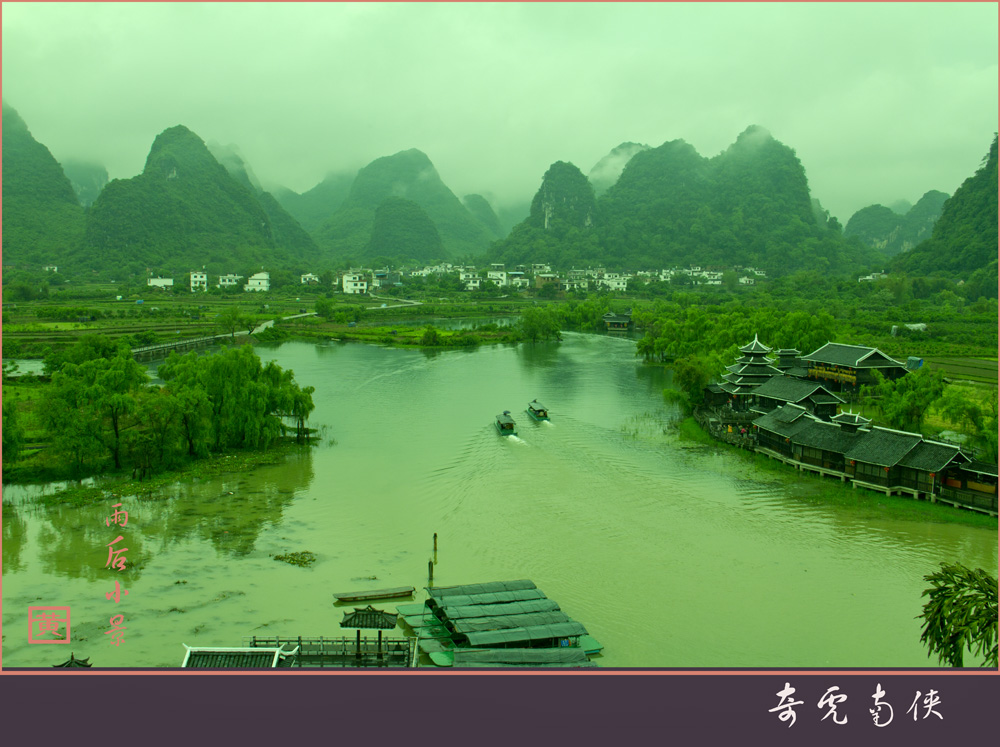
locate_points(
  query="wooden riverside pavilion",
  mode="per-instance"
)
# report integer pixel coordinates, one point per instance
(787, 410)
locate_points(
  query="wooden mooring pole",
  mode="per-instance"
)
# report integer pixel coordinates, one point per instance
(435, 547)
(430, 572)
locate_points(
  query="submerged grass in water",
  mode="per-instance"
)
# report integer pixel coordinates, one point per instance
(210, 467)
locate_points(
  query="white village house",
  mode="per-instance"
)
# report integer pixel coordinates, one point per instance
(260, 281)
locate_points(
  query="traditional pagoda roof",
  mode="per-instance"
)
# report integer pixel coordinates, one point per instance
(369, 618)
(850, 418)
(73, 663)
(852, 356)
(883, 447)
(755, 347)
(784, 352)
(930, 456)
(790, 389)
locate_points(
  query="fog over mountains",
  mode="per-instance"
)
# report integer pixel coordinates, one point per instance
(640, 207)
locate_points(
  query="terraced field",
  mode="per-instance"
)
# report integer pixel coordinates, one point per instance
(967, 369)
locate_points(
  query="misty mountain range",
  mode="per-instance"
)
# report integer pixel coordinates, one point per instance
(639, 207)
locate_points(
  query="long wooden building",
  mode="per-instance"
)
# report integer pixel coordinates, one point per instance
(849, 367)
(891, 461)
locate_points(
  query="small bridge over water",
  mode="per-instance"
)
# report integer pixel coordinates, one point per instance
(162, 350)
(156, 352)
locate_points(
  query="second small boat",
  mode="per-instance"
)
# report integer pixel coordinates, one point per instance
(537, 410)
(505, 424)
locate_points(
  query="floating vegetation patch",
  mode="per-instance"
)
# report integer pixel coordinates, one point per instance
(301, 559)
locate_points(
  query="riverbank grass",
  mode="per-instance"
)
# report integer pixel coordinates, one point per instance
(213, 466)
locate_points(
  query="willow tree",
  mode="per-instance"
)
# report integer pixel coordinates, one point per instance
(960, 614)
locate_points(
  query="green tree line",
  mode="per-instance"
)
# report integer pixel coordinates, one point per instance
(101, 412)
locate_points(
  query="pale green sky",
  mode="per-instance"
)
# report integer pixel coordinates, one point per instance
(881, 101)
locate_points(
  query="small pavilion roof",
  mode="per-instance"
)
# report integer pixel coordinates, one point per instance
(369, 618)
(850, 418)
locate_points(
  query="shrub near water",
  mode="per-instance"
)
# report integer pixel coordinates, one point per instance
(100, 411)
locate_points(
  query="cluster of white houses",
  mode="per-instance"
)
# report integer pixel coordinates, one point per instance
(791, 403)
(522, 277)
(260, 281)
(538, 275)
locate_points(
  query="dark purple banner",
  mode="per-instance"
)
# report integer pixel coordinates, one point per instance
(607, 708)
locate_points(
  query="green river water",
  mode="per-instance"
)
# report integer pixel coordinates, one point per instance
(671, 554)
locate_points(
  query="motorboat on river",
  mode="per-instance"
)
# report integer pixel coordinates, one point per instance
(505, 424)
(537, 410)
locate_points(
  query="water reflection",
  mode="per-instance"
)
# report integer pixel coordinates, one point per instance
(14, 537)
(76, 543)
(230, 512)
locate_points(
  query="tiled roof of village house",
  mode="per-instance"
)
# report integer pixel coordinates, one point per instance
(825, 398)
(797, 371)
(983, 468)
(791, 389)
(855, 356)
(883, 447)
(789, 413)
(787, 351)
(930, 456)
(785, 421)
(826, 436)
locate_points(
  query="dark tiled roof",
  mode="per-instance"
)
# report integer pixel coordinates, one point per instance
(824, 398)
(230, 659)
(983, 468)
(932, 457)
(755, 358)
(789, 413)
(855, 356)
(790, 389)
(788, 351)
(797, 371)
(369, 618)
(785, 421)
(826, 436)
(883, 447)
